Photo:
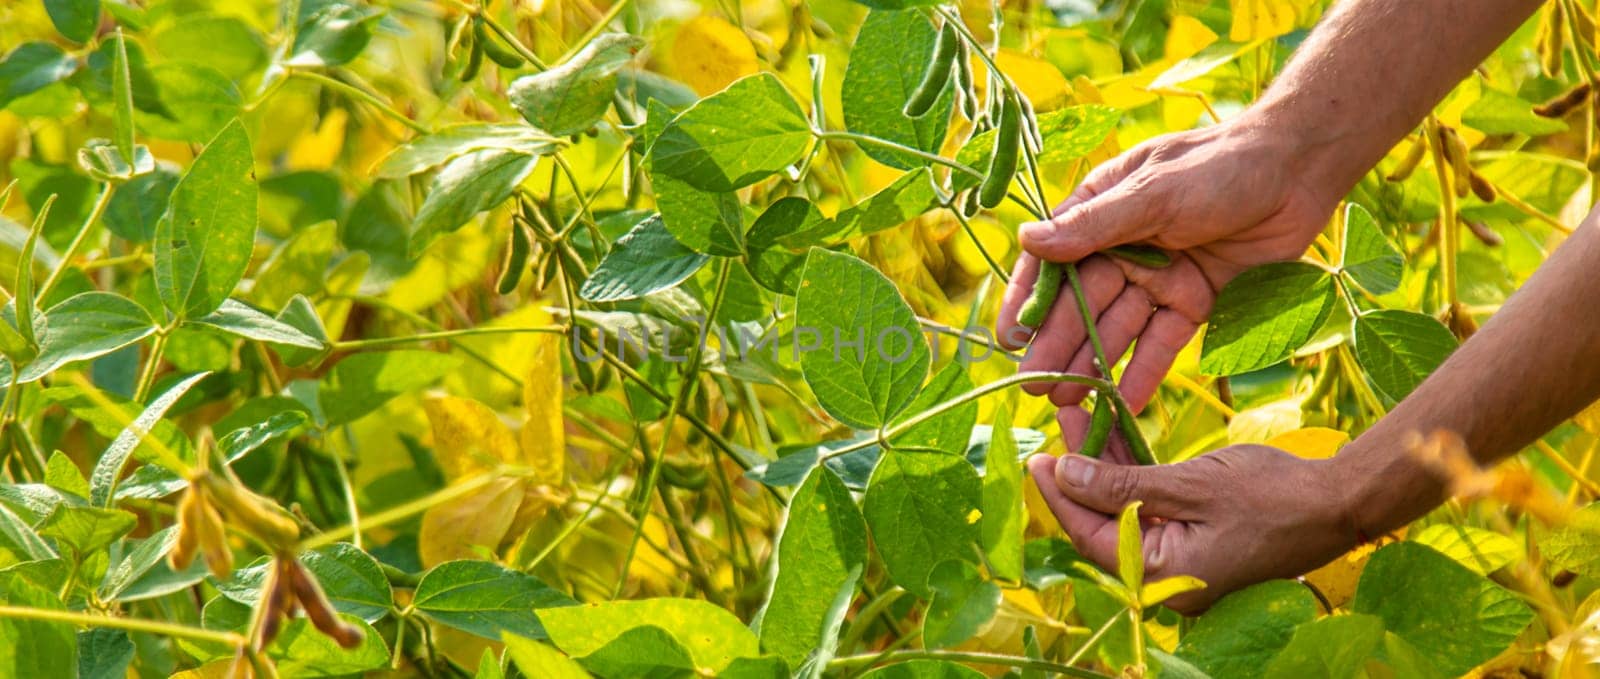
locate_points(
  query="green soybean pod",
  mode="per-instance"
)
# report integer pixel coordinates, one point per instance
(938, 73)
(1138, 448)
(474, 57)
(516, 259)
(1003, 161)
(500, 54)
(1094, 443)
(1045, 289)
(1143, 255)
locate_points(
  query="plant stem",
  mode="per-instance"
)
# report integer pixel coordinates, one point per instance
(368, 97)
(417, 506)
(516, 45)
(147, 375)
(131, 624)
(381, 342)
(869, 140)
(964, 656)
(595, 30)
(77, 242)
(1447, 210)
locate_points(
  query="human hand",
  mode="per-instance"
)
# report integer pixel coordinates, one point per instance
(1219, 200)
(1232, 518)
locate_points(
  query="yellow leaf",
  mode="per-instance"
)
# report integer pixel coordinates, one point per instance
(1589, 418)
(1312, 443)
(1040, 81)
(471, 526)
(710, 53)
(1156, 592)
(1259, 424)
(1337, 579)
(544, 441)
(468, 437)
(1253, 19)
(1186, 37)
(319, 150)
(511, 352)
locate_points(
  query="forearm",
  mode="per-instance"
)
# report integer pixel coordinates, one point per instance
(1533, 364)
(1370, 71)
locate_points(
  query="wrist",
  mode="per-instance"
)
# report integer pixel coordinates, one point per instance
(1382, 486)
(1325, 158)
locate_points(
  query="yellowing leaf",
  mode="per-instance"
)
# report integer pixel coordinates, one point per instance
(1312, 443)
(710, 53)
(1166, 588)
(319, 150)
(1337, 579)
(544, 441)
(1260, 424)
(1589, 418)
(471, 526)
(1187, 36)
(1254, 19)
(1040, 81)
(468, 437)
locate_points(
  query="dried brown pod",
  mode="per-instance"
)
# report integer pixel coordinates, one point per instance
(1563, 103)
(317, 607)
(1484, 233)
(1409, 162)
(258, 516)
(1481, 187)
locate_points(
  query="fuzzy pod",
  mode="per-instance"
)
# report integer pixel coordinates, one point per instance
(498, 53)
(214, 542)
(1094, 443)
(518, 246)
(1562, 104)
(188, 542)
(1138, 448)
(1143, 255)
(934, 79)
(1046, 287)
(1481, 187)
(257, 515)
(318, 608)
(1408, 164)
(1003, 159)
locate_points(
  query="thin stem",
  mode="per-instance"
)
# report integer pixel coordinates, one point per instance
(131, 624)
(414, 507)
(993, 265)
(77, 242)
(869, 140)
(1447, 210)
(380, 342)
(864, 618)
(368, 97)
(595, 29)
(147, 375)
(516, 45)
(967, 657)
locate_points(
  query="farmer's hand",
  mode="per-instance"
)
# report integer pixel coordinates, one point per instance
(1219, 200)
(1232, 518)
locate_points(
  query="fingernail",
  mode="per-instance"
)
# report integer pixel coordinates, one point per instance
(1036, 231)
(1077, 471)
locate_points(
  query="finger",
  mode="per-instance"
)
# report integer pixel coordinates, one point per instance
(1062, 332)
(1118, 327)
(1182, 286)
(1104, 176)
(1011, 334)
(1121, 215)
(1166, 335)
(1107, 487)
(1074, 424)
(1093, 534)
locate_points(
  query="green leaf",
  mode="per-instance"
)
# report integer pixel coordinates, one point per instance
(1575, 546)
(1454, 617)
(1483, 551)
(1004, 515)
(203, 242)
(538, 660)
(703, 221)
(85, 530)
(710, 635)
(138, 204)
(104, 162)
(31, 67)
(870, 356)
(909, 196)
(486, 599)
(299, 650)
(1398, 349)
(963, 602)
(1263, 315)
(734, 138)
(1497, 112)
(362, 383)
(468, 184)
(139, 560)
(923, 669)
(331, 33)
(237, 318)
(817, 662)
(949, 431)
(240, 442)
(891, 52)
(429, 151)
(195, 103)
(1240, 633)
(18, 541)
(104, 653)
(103, 481)
(75, 19)
(643, 651)
(86, 326)
(1336, 647)
(225, 43)
(52, 647)
(572, 97)
(350, 577)
(773, 265)
(922, 509)
(1069, 133)
(1369, 257)
(642, 261)
(61, 473)
(823, 546)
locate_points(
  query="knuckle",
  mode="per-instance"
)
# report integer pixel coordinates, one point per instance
(1123, 487)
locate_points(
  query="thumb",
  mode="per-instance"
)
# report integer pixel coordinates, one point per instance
(1108, 487)
(1114, 218)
